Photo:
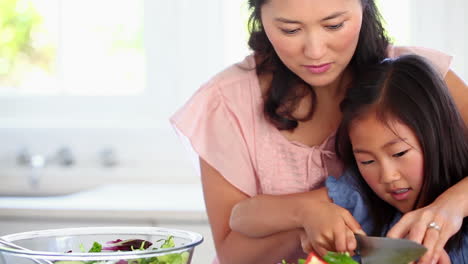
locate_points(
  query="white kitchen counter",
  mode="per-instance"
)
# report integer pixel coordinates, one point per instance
(120, 201)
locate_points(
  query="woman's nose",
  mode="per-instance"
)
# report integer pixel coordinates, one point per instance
(315, 47)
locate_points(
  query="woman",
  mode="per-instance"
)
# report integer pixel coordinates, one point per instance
(266, 126)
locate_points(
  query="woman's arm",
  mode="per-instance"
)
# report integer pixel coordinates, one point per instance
(459, 91)
(262, 215)
(327, 226)
(233, 247)
(448, 211)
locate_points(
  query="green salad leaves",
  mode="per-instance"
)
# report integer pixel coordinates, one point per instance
(339, 258)
(132, 245)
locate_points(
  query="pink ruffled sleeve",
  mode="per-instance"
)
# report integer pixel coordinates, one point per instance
(217, 136)
(439, 60)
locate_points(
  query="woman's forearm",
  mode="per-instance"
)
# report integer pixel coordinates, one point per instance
(265, 215)
(463, 189)
(457, 195)
(233, 247)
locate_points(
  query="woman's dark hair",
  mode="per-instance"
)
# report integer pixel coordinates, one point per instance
(408, 90)
(287, 88)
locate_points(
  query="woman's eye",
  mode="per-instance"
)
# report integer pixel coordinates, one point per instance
(399, 154)
(290, 31)
(335, 27)
(367, 162)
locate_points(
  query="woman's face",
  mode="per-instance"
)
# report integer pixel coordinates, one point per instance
(315, 39)
(389, 159)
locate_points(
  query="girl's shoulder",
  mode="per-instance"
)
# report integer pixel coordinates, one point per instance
(440, 60)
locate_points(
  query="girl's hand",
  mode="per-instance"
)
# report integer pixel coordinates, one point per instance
(328, 227)
(415, 226)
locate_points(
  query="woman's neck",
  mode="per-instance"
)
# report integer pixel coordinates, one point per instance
(336, 90)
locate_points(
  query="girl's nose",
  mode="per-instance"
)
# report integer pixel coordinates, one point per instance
(315, 47)
(389, 174)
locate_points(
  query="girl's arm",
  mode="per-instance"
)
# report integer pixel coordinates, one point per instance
(326, 225)
(234, 247)
(450, 208)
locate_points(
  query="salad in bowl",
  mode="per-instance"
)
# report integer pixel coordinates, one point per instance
(102, 245)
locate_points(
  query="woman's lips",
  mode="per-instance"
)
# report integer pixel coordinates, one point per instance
(316, 69)
(400, 194)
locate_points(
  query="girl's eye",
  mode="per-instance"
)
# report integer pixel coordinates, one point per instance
(289, 32)
(367, 162)
(399, 154)
(335, 27)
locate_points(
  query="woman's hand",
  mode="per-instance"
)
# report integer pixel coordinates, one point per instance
(415, 226)
(447, 212)
(444, 258)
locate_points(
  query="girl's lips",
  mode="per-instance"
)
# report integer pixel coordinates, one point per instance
(400, 194)
(318, 68)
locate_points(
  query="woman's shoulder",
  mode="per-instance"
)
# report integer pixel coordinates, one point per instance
(234, 90)
(236, 77)
(233, 87)
(440, 60)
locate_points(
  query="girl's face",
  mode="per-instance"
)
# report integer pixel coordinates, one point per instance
(390, 160)
(315, 39)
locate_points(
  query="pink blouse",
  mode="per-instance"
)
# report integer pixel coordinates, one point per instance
(226, 126)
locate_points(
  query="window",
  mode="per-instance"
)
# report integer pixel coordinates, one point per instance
(396, 15)
(107, 63)
(159, 53)
(54, 47)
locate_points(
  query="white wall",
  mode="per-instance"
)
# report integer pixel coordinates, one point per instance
(442, 25)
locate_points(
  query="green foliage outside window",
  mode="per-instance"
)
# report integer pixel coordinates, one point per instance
(18, 52)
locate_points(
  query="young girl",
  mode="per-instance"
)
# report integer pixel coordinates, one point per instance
(403, 143)
(404, 135)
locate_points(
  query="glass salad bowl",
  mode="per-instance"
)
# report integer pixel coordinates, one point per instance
(101, 245)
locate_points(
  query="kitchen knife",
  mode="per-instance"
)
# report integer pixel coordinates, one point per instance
(382, 250)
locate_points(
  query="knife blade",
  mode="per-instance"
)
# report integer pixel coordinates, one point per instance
(382, 250)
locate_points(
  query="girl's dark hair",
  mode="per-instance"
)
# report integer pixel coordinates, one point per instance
(287, 88)
(408, 90)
